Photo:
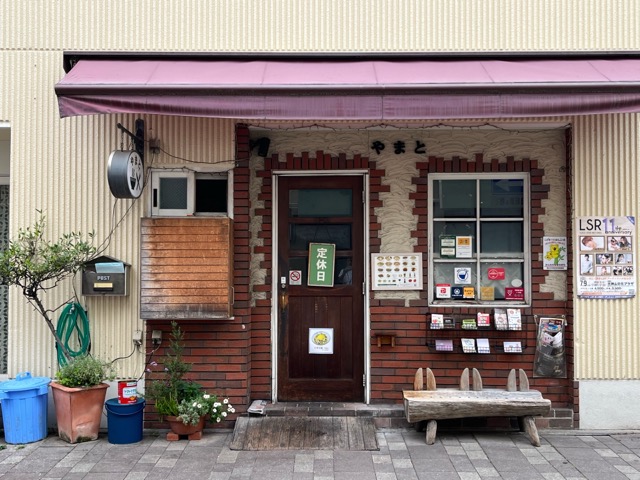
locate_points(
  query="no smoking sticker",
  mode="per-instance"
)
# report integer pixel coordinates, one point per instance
(295, 277)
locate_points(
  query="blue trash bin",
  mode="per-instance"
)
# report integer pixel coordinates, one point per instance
(124, 421)
(24, 408)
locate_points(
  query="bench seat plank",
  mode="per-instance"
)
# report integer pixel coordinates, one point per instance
(453, 403)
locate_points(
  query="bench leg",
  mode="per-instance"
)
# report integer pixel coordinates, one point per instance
(432, 427)
(531, 430)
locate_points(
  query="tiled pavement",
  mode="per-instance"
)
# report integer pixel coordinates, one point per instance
(403, 455)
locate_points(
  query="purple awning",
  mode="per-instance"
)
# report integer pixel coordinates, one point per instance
(343, 89)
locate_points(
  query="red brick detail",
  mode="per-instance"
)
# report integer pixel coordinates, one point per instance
(392, 369)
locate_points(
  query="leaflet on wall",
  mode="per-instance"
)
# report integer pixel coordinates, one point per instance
(554, 251)
(606, 266)
(396, 271)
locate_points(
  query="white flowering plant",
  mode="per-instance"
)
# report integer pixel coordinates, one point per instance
(190, 411)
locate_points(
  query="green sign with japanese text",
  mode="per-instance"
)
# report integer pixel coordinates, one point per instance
(322, 257)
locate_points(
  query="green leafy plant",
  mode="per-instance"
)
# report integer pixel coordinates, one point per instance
(190, 411)
(171, 388)
(84, 371)
(37, 265)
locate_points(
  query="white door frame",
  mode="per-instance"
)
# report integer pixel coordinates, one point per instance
(275, 281)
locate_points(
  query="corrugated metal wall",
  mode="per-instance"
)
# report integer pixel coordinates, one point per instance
(322, 25)
(60, 165)
(606, 151)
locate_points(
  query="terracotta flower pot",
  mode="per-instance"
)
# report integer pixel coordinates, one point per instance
(78, 411)
(194, 432)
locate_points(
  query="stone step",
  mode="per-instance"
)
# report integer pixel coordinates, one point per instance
(392, 415)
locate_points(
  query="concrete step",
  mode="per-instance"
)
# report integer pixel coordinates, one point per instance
(392, 415)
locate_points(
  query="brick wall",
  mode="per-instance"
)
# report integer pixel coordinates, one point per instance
(245, 368)
(392, 369)
(220, 350)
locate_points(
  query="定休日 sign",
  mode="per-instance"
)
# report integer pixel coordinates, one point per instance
(322, 257)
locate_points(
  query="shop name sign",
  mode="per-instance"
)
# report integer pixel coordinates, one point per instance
(322, 258)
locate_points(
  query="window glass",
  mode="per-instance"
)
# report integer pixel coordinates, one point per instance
(501, 198)
(454, 198)
(500, 276)
(211, 195)
(445, 273)
(452, 229)
(173, 193)
(320, 202)
(501, 238)
(489, 209)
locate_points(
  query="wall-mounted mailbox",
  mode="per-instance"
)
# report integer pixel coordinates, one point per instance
(105, 276)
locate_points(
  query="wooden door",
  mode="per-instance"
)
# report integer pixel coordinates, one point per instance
(320, 209)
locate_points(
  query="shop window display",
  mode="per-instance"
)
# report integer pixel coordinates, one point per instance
(479, 238)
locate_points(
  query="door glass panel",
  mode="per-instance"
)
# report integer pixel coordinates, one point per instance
(301, 235)
(344, 274)
(299, 263)
(454, 198)
(320, 202)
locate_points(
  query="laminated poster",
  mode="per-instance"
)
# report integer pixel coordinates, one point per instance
(605, 250)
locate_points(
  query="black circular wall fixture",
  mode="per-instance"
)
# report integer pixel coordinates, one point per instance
(125, 174)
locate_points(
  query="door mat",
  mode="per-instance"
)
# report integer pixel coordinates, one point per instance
(304, 433)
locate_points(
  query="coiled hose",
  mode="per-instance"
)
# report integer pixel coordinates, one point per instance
(73, 330)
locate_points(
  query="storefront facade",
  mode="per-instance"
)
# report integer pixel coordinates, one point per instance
(336, 224)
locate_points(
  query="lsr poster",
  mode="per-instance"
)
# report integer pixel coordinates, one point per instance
(607, 258)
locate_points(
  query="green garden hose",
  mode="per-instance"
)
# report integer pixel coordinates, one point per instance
(73, 320)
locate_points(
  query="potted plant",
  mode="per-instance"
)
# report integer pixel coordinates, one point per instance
(181, 402)
(37, 265)
(78, 394)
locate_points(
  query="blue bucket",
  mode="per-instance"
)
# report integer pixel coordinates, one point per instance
(124, 421)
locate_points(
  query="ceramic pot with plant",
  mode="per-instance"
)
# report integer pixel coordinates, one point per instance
(78, 395)
(179, 401)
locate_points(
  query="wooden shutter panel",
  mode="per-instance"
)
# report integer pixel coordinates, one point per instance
(186, 266)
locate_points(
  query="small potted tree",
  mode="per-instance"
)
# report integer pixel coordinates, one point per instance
(181, 402)
(37, 265)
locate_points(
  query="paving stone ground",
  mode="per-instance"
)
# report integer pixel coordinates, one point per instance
(403, 455)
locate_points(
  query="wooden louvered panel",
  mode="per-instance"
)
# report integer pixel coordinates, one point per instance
(186, 266)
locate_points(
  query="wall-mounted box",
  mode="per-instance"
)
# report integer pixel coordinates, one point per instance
(105, 276)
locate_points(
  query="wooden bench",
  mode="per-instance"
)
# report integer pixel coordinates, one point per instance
(432, 404)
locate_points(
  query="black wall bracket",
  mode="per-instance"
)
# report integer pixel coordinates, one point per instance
(138, 137)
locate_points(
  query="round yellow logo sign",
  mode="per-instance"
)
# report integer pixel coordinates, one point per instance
(320, 338)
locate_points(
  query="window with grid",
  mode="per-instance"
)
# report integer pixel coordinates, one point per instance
(479, 239)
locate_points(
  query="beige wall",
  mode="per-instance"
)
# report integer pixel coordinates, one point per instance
(60, 165)
(322, 25)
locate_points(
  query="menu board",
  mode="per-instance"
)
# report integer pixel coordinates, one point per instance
(396, 271)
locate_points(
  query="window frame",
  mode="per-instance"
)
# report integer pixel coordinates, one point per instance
(191, 175)
(477, 260)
